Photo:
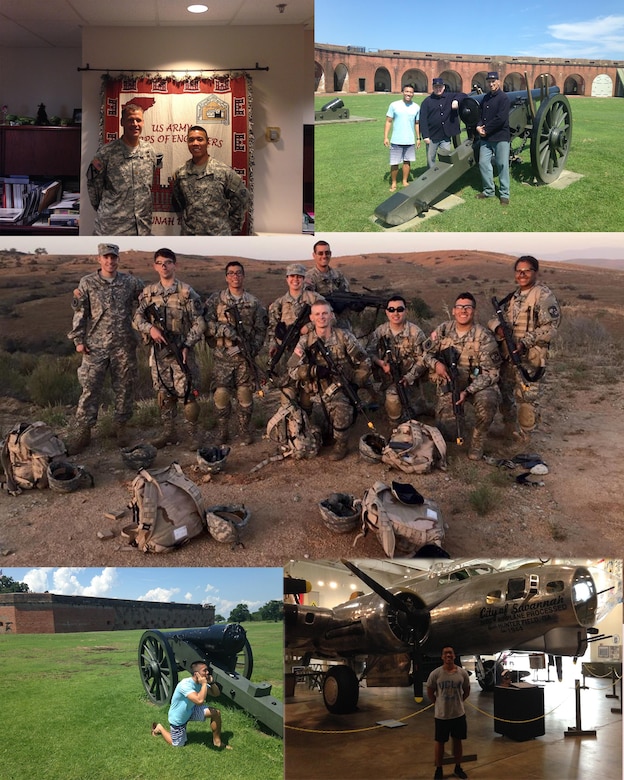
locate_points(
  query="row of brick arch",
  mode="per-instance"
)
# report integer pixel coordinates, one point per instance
(574, 84)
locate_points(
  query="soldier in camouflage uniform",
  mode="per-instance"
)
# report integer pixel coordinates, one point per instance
(321, 382)
(478, 365)
(170, 318)
(210, 195)
(405, 340)
(282, 314)
(326, 280)
(102, 333)
(119, 180)
(533, 313)
(236, 327)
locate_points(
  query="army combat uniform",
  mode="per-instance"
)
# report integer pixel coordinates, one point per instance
(234, 355)
(211, 197)
(407, 351)
(478, 365)
(178, 312)
(119, 183)
(102, 323)
(308, 366)
(534, 317)
(327, 283)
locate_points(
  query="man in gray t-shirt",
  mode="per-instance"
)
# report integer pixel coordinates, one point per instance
(448, 687)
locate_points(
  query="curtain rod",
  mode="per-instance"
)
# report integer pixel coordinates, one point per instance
(149, 70)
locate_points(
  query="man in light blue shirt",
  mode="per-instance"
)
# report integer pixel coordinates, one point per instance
(402, 118)
(187, 703)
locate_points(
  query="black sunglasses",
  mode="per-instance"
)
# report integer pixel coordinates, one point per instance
(398, 309)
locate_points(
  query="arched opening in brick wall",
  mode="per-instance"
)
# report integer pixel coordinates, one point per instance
(416, 77)
(514, 82)
(319, 77)
(602, 86)
(550, 80)
(453, 80)
(383, 80)
(341, 78)
(574, 85)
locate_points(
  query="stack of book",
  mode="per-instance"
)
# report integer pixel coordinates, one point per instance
(66, 212)
(23, 200)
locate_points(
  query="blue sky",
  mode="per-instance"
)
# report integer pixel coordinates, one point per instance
(560, 28)
(223, 587)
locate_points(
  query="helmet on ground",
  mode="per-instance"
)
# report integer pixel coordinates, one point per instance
(212, 459)
(341, 512)
(406, 493)
(226, 522)
(140, 457)
(64, 477)
(371, 446)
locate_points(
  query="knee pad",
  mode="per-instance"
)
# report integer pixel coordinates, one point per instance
(244, 396)
(527, 417)
(221, 398)
(191, 411)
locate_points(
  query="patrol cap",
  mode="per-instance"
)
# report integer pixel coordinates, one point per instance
(492, 74)
(438, 80)
(295, 269)
(108, 249)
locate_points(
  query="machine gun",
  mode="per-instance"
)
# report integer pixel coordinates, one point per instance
(347, 387)
(289, 341)
(341, 300)
(156, 315)
(514, 356)
(222, 647)
(548, 130)
(242, 340)
(449, 357)
(395, 373)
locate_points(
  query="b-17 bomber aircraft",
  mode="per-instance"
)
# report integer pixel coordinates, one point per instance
(535, 608)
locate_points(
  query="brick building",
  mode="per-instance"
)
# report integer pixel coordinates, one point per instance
(353, 69)
(49, 613)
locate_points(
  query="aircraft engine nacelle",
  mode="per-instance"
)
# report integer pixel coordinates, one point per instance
(365, 625)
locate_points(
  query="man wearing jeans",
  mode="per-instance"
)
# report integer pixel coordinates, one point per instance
(493, 130)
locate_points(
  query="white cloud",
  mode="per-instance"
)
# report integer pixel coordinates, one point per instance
(37, 579)
(159, 594)
(601, 38)
(225, 606)
(65, 580)
(188, 597)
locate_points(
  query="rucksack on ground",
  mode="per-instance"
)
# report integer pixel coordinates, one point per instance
(27, 451)
(167, 508)
(401, 529)
(415, 448)
(290, 427)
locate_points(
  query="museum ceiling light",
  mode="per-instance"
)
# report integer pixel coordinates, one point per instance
(197, 9)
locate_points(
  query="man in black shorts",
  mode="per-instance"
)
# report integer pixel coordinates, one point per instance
(448, 687)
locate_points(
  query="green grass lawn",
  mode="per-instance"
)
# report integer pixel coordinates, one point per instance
(352, 176)
(73, 708)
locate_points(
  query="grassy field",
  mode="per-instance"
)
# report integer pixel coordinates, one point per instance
(73, 708)
(352, 176)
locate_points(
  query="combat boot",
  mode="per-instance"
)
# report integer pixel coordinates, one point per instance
(167, 436)
(244, 423)
(339, 450)
(122, 434)
(476, 445)
(80, 441)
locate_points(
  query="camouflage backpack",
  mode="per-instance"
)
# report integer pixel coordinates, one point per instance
(167, 508)
(291, 428)
(27, 451)
(402, 529)
(415, 448)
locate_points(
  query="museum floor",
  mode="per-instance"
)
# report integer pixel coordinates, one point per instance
(321, 746)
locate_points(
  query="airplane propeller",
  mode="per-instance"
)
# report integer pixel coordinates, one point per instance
(415, 617)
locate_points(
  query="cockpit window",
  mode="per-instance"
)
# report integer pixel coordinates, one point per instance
(555, 586)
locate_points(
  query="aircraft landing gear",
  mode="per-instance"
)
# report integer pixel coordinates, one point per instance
(488, 673)
(341, 690)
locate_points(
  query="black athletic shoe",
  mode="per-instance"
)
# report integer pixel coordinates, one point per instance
(459, 772)
(438, 773)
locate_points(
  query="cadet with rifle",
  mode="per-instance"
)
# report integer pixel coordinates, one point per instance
(236, 327)
(170, 319)
(331, 363)
(289, 318)
(102, 333)
(326, 280)
(396, 349)
(467, 360)
(526, 321)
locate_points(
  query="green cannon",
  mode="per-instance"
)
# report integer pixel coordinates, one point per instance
(226, 649)
(547, 129)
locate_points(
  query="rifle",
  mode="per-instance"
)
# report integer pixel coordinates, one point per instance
(449, 357)
(289, 342)
(343, 381)
(157, 317)
(341, 300)
(511, 346)
(233, 314)
(395, 372)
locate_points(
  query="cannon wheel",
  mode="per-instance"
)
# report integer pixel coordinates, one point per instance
(550, 138)
(244, 661)
(158, 667)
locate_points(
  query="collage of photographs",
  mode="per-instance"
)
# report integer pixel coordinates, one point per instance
(311, 390)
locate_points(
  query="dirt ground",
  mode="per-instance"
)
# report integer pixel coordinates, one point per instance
(576, 512)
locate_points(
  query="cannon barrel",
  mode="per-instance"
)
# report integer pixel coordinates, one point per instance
(470, 106)
(333, 105)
